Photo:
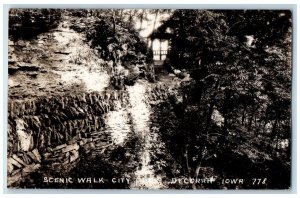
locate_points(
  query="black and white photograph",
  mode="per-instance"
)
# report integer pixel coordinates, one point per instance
(149, 99)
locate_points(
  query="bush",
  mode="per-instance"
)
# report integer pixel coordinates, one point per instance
(114, 40)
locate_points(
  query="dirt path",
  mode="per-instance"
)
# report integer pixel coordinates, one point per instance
(130, 118)
(82, 67)
(66, 63)
(145, 177)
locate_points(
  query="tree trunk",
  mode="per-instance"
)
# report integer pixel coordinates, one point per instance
(199, 165)
(243, 116)
(255, 120)
(252, 116)
(114, 21)
(141, 19)
(226, 107)
(224, 131)
(155, 19)
(197, 170)
(181, 44)
(211, 108)
(274, 127)
(187, 160)
(121, 17)
(130, 18)
(265, 122)
(208, 118)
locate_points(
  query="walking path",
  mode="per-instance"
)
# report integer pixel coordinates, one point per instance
(145, 177)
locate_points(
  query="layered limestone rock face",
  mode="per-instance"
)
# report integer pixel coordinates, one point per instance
(54, 63)
(56, 102)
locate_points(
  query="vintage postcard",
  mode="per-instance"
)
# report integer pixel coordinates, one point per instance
(149, 99)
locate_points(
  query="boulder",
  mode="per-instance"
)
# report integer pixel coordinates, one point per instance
(33, 74)
(10, 168)
(62, 52)
(15, 157)
(74, 155)
(31, 168)
(59, 147)
(14, 162)
(12, 69)
(13, 179)
(10, 43)
(27, 66)
(70, 148)
(32, 156)
(36, 154)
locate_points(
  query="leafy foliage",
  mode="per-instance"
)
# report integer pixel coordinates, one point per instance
(27, 23)
(114, 37)
(241, 64)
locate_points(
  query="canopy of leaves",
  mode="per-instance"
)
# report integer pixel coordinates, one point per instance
(241, 63)
(112, 30)
(27, 23)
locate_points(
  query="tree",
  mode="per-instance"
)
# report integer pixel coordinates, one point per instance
(241, 63)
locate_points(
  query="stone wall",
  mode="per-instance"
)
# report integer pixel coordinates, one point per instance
(55, 131)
